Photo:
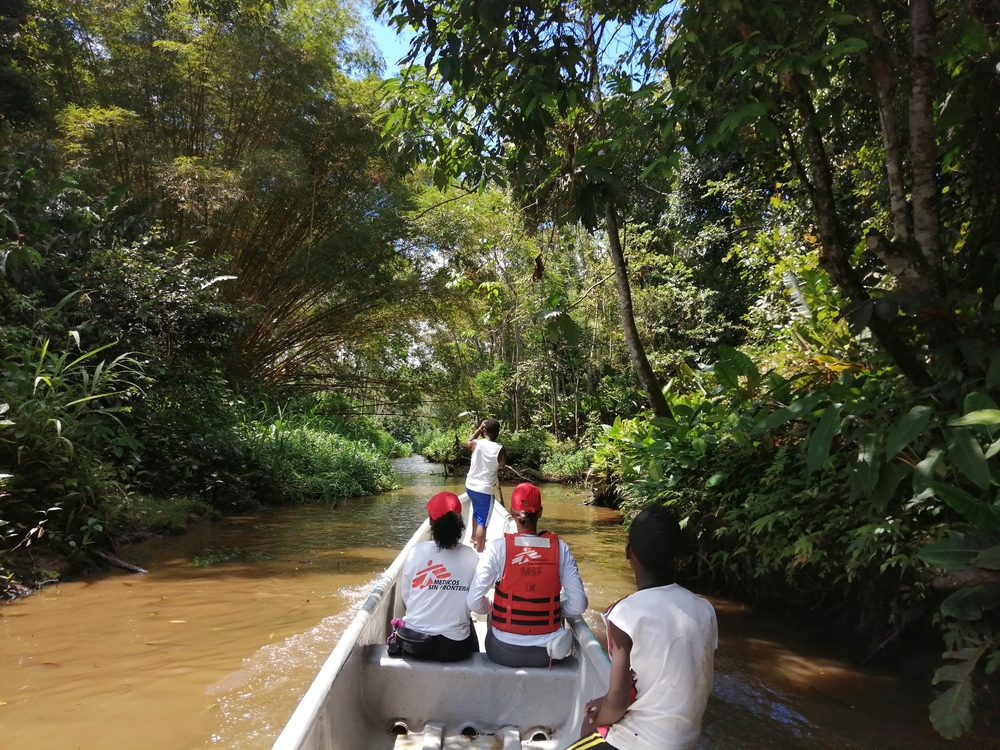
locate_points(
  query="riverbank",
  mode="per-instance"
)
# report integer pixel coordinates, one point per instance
(298, 459)
(147, 518)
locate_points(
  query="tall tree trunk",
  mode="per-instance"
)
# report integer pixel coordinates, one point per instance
(923, 143)
(636, 351)
(576, 406)
(901, 256)
(554, 400)
(834, 256)
(882, 59)
(517, 378)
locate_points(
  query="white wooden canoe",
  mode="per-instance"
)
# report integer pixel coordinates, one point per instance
(363, 699)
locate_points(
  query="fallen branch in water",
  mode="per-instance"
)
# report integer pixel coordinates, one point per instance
(531, 474)
(117, 562)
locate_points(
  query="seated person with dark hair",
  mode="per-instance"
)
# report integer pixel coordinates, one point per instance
(662, 641)
(529, 570)
(435, 581)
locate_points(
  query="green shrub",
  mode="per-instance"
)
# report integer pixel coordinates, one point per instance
(823, 493)
(309, 412)
(529, 447)
(160, 515)
(310, 465)
(442, 446)
(57, 409)
(403, 429)
(365, 429)
(569, 465)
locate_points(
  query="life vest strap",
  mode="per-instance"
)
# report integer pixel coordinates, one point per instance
(557, 612)
(514, 597)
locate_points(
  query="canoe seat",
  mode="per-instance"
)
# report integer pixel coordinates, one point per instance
(472, 694)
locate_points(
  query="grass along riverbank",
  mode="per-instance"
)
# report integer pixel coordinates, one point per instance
(288, 458)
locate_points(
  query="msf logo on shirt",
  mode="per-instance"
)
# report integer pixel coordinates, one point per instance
(527, 556)
(429, 575)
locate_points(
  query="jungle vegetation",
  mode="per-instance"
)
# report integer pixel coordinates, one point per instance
(738, 258)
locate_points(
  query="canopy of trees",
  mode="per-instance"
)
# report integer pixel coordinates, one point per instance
(739, 258)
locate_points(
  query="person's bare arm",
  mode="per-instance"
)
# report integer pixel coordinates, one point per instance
(470, 444)
(611, 707)
(502, 458)
(487, 573)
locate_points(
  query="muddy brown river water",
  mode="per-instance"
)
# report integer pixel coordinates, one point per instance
(213, 648)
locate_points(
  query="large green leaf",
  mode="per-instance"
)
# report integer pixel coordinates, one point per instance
(732, 366)
(655, 470)
(909, 428)
(993, 450)
(965, 451)
(977, 401)
(845, 47)
(976, 512)
(740, 362)
(794, 410)
(993, 374)
(664, 423)
(970, 603)
(560, 327)
(957, 552)
(982, 417)
(951, 712)
(980, 402)
(716, 479)
(989, 559)
(822, 437)
(866, 470)
(923, 472)
(888, 481)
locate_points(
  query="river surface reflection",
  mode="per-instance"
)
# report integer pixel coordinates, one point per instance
(213, 648)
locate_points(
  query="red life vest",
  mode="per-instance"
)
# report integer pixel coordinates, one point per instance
(526, 600)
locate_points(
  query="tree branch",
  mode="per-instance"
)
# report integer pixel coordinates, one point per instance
(591, 288)
(966, 578)
(426, 211)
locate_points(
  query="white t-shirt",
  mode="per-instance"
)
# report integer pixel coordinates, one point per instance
(674, 636)
(483, 466)
(489, 571)
(434, 587)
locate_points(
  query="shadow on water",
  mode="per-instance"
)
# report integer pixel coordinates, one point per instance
(360, 533)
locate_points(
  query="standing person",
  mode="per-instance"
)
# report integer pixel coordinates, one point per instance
(528, 570)
(487, 458)
(662, 641)
(435, 583)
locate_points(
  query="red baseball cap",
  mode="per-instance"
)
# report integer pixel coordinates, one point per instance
(526, 497)
(443, 502)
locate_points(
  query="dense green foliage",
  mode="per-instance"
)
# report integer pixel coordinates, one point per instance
(811, 182)
(737, 258)
(87, 425)
(195, 215)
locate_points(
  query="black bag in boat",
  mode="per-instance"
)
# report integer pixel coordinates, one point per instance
(404, 641)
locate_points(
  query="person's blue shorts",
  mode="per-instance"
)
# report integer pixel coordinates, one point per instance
(480, 505)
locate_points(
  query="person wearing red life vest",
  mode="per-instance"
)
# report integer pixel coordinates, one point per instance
(529, 570)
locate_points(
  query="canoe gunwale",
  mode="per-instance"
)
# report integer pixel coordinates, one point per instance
(308, 711)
